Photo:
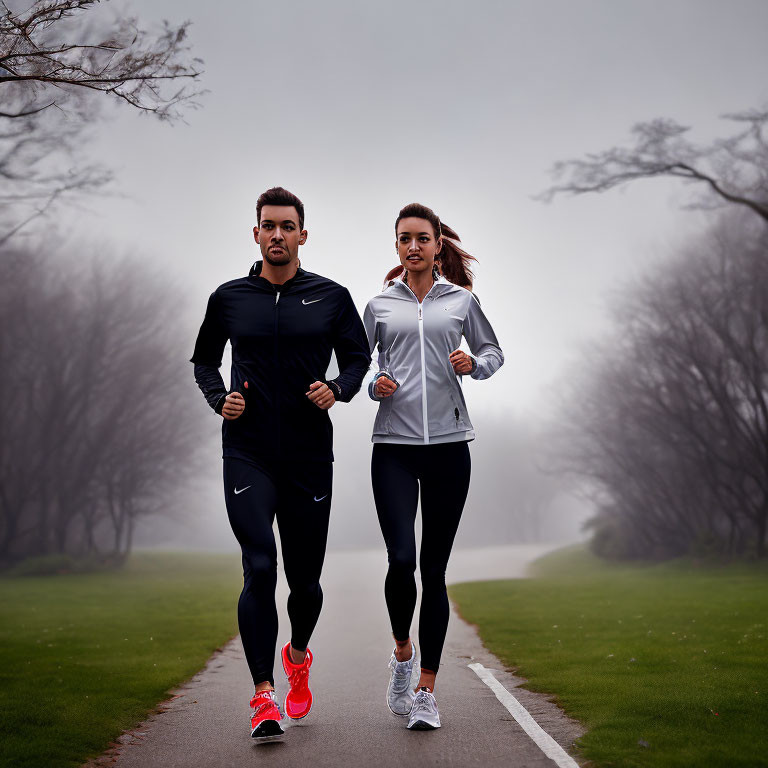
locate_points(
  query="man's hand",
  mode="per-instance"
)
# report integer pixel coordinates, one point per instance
(321, 395)
(234, 405)
(384, 387)
(461, 362)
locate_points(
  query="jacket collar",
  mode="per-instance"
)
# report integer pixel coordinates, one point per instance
(255, 272)
(439, 287)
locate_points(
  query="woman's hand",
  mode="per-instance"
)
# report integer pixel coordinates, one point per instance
(234, 405)
(321, 395)
(384, 387)
(461, 362)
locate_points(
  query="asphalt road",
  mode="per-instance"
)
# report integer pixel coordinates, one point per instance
(207, 724)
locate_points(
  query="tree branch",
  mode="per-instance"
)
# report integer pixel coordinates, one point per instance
(739, 162)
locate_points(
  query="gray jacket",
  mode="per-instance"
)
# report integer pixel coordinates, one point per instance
(413, 342)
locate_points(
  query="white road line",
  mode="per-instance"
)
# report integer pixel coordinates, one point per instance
(542, 739)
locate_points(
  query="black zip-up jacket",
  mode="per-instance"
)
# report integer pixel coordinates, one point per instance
(282, 337)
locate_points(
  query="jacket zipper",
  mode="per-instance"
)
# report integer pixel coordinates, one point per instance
(278, 441)
(424, 413)
(424, 416)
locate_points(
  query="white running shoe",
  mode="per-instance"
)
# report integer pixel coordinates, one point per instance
(405, 674)
(424, 714)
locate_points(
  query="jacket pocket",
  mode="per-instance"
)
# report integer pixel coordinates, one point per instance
(383, 423)
(445, 413)
(458, 414)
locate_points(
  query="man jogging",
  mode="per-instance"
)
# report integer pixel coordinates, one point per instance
(283, 324)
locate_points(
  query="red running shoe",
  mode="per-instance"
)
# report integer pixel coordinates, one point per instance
(298, 700)
(265, 720)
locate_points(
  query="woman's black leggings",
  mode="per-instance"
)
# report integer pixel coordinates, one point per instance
(442, 473)
(302, 504)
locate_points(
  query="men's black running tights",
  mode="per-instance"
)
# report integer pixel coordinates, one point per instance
(441, 473)
(300, 498)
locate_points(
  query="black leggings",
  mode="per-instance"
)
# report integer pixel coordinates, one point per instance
(255, 496)
(397, 472)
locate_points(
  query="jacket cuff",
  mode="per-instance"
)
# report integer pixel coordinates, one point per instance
(372, 385)
(220, 404)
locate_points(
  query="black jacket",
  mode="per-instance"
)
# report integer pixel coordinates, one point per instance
(282, 337)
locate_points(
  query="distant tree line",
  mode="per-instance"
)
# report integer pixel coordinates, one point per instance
(514, 500)
(670, 423)
(667, 423)
(96, 430)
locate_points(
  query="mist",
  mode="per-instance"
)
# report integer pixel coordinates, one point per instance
(361, 108)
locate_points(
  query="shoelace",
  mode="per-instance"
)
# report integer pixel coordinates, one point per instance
(261, 703)
(422, 702)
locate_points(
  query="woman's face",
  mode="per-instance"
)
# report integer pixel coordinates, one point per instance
(416, 244)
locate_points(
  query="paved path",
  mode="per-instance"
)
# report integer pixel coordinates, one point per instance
(206, 726)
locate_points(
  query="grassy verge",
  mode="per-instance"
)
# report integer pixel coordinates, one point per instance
(83, 657)
(665, 664)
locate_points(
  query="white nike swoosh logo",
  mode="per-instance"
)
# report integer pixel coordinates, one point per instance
(304, 301)
(321, 498)
(241, 490)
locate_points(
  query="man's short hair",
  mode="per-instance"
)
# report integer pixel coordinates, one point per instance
(280, 196)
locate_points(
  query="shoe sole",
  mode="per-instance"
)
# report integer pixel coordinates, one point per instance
(296, 719)
(421, 725)
(269, 730)
(285, 701)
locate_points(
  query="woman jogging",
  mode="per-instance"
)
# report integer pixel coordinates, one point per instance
(420, 437)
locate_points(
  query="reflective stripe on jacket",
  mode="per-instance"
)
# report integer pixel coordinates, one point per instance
(414, 341)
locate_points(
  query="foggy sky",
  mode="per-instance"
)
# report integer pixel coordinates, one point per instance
(360, 108)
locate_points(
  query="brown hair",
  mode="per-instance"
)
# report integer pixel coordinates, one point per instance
(454, 261)
(280, 196)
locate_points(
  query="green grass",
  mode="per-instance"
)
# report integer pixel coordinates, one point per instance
(83, 657)
(666, 665)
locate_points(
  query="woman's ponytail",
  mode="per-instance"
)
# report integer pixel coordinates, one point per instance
(454, 260)
(393, 273)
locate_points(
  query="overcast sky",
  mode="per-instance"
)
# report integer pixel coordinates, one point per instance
(362, 107)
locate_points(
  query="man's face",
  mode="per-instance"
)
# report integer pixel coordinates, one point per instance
(279, 235)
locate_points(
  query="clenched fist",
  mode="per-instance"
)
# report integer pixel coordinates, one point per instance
(321, 395)
(384, 387)
(461, 362)
(234, 405)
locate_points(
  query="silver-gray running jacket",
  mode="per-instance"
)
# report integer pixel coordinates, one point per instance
(413, 342)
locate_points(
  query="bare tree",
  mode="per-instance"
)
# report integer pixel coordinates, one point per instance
(670, 426)
(53, 62)
(90, 444)
(733, 170)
